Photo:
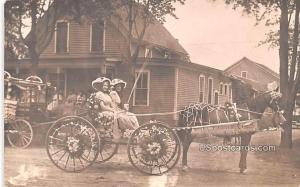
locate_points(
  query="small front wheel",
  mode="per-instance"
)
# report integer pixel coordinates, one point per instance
(19, 133)
(154, 148)
(107, 150)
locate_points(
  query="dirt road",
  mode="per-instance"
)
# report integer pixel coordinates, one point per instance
(31, 167)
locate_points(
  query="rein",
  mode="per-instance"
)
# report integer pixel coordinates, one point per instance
(138, 76)
(253, 112)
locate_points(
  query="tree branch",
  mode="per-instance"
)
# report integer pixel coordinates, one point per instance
(295, 45)
(290, 17)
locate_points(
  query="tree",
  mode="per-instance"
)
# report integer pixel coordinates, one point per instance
(139, 14)
(282, 15)
(42, 16)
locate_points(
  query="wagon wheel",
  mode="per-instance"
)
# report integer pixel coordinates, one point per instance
(72, 144)
(154, 148)
(20, 133)
(107, 150)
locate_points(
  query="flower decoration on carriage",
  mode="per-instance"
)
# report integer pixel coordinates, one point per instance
(154, 148)
(104, 119)
(93, 106)
(127, 133)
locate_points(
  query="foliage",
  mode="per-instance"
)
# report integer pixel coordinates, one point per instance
(282, 16)
(40, 17)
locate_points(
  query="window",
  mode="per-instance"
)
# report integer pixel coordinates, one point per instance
(97, 37)
(221, 88)
(141, 93)
(244, 74)
(167, 55)
(216, 98)
(230, 93)
(225, 89)
(62, 37)
(148, 53)
(210, 90)
(201, 88)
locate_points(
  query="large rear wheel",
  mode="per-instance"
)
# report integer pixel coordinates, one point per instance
(154, 148)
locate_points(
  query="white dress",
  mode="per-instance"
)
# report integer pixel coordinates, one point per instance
(127, 120)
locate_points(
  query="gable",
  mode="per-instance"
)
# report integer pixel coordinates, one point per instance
(156, 34)
(255, 71)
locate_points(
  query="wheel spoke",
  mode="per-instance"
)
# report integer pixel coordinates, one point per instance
(26, 137)
(67, 161)
(58, 151)
(61, 156)
(56, 138)
(25, 140)
(81, 162)
(74, 163)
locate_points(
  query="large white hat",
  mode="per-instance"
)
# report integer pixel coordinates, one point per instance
(118, 81)
(99, 81)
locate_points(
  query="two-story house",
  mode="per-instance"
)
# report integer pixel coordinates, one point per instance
(79, 53)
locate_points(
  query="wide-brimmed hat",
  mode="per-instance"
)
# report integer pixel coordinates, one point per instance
(99, 81)
(114, 82)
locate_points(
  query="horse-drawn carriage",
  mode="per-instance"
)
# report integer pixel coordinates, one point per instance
(25, 100)
(74, 143)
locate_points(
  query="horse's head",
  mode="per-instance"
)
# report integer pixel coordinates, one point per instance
(273, 99)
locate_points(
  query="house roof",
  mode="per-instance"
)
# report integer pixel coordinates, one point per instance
(260, 66)
(182, 64)
(155, 34)
(257, 86)
(200, 67)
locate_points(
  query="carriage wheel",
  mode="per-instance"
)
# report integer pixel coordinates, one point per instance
(154, 148)
(72, 144)
(107, 150)
(20, 133)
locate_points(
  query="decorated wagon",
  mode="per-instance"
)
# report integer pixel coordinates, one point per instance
(24, 100)
(74, 143)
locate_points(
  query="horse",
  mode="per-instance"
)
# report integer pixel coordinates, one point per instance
(200, 114)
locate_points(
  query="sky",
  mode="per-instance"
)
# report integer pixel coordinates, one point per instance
(216, 35)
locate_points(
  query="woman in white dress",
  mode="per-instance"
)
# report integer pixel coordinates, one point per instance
(108, 108)
(128, 120)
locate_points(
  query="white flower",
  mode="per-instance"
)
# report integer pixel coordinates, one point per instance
(154, 148)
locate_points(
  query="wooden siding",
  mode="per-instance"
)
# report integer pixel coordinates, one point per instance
(79, 43)
(161, 96)
(188, 87)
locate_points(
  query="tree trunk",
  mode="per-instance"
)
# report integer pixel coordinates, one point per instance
(292, 87)
(284, 49)
(286, 136)
(34, 63)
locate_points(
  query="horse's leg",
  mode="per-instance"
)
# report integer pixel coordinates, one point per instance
(186, 142)
(245, 141)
